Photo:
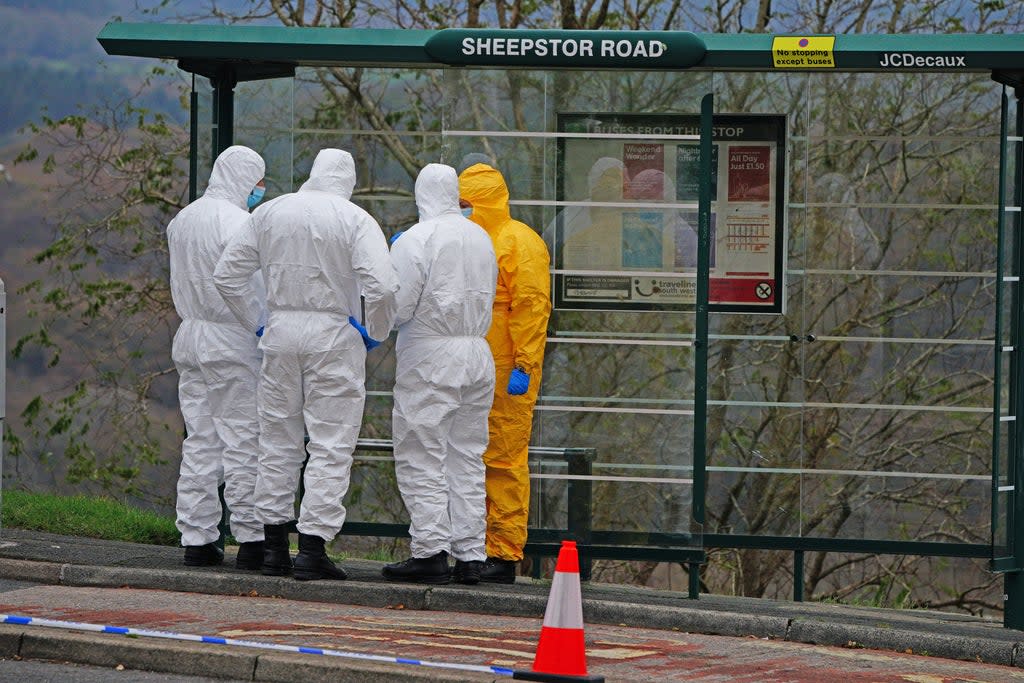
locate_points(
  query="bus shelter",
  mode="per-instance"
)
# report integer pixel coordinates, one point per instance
(785, 269)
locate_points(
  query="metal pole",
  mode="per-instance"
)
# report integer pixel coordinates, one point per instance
(580, 499)
(223, 137)
(700, 357)
(3, 381)
(798, 576)
(1013, 608)
(224, 105)
(693, 579)
(193, 144)
(1000, 536)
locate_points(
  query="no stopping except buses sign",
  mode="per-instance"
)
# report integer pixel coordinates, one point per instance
(803, 52)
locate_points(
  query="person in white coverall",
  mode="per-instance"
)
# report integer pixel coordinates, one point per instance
(444, 382)
(318, 253)
(218, 365)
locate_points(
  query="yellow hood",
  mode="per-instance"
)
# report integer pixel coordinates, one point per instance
(485, 188)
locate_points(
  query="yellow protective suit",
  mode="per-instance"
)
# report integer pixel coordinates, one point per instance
(517, 336)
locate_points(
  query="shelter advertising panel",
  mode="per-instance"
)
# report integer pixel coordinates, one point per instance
(625, 236)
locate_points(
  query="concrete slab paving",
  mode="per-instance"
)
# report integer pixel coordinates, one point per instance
(72, 562)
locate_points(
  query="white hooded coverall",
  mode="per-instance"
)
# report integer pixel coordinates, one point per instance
(444, 379)
(216, 357)
(318, 252)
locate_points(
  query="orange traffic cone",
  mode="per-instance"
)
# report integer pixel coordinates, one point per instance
(561, 655)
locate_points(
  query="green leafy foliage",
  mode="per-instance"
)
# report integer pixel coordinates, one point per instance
(103, 313)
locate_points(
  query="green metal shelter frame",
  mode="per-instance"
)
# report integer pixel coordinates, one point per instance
(228, 55)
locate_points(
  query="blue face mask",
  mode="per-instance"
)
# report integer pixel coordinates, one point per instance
(256, 196)
(468, 211)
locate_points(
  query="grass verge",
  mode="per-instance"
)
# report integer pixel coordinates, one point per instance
(108, 519)
(88, 516)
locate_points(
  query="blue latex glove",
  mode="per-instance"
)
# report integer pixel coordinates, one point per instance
(518, 382)
(259, 332)
(395, 237)
(369, 341)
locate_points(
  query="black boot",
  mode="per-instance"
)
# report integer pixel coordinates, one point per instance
(467, 572)
(203, 555)
(276, 560)
(312, 562)
(497, 570)
(433, 569)
(250, 555)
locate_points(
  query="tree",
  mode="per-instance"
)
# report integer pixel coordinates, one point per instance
(104, 308)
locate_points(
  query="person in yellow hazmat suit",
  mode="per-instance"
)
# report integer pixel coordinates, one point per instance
(517, 336)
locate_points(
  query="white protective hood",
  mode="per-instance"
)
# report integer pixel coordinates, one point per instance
(333, 171)
(235, 172)
(437, 191)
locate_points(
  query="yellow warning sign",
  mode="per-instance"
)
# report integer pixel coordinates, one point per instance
(803, 52)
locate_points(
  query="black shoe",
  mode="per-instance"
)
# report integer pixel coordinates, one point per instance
(203, 555)
(250, 555)
(276, 560)
(467, 572)
(312, 562)
(433, 569)
(497, 570)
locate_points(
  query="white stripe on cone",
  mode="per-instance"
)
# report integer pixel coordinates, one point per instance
(567, 610)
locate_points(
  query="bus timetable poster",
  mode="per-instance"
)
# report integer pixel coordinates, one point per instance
(626, 235)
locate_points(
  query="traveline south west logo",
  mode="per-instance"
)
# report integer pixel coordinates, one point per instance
(903, 60)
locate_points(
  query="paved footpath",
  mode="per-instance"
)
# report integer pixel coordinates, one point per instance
(631, 634)
(618, 653)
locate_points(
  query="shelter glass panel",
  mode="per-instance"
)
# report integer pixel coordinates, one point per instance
(873, 390)
(616, 381)
(872, 387)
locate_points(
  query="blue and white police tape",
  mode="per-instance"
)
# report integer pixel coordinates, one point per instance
(217, 640)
